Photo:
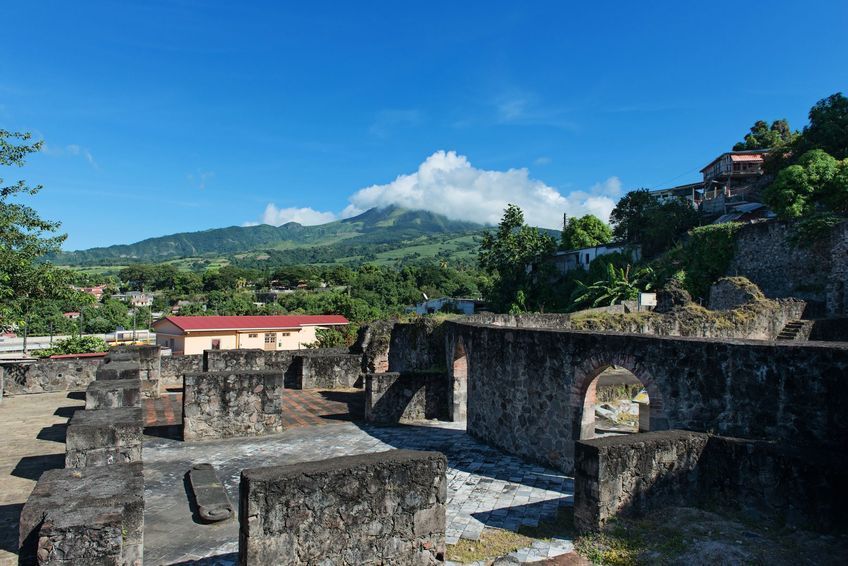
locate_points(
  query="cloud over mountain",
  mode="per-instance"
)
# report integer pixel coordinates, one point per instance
(447, 183)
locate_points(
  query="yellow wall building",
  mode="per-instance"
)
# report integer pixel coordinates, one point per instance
(192, 334)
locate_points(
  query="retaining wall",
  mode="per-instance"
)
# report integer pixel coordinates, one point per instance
(43, 376)
(383, 508)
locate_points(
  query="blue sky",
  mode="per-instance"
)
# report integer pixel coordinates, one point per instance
(161, 117)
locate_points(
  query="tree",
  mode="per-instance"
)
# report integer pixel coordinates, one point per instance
(506, 256)
(641, 218)
(24, 239)
(816, 182)
(763, 136)
(584, 232)
(828, 128)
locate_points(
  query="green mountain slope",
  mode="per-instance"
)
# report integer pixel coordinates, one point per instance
(375, 231)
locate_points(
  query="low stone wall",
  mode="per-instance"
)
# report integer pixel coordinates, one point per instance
(173, 368)
(328, 370)
(104, 437)
(395, 397)
(630, 475)
(382, 508)
(44, 376)
(226, 404)
(72, 515)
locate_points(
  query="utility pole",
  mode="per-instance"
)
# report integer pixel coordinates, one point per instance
(26, 333)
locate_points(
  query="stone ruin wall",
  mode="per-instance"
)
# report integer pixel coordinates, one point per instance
(526, 387)
(394, 397)
(765, 254)
(381, 508)
(631, 475)
(227, 404)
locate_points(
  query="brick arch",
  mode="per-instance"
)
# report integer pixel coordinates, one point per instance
(459, 382)
(586, 380)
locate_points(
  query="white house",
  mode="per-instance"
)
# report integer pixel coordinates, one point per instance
(430, 306)
(569, 260)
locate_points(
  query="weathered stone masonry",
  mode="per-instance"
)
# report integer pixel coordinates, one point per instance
(226, 404)
(398, 397)
(382, 508)
(631, 475)
(526, 387)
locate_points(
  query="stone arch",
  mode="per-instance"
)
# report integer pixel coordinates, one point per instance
(459, 382)
(584, 389)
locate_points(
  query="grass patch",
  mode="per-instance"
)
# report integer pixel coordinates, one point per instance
(492, 544)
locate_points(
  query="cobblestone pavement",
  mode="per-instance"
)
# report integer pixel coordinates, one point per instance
(486, 488)
(33, 429)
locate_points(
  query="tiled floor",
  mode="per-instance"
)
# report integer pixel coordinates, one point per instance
(485, 486)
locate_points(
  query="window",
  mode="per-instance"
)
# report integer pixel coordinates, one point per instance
(285, 333)
(252, 335)
(270, 338)
(216, 344)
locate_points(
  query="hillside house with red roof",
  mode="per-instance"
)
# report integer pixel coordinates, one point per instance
(194, 334)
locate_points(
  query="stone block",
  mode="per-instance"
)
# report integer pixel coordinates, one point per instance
(394, 397)
(227, 404)
(103, 437)
(82, 536)
(112, 370)
(112, 394)
(383, 508)
(71, 516)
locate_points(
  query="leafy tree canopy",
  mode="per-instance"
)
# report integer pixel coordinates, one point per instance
(506, 256)
(763, 136)
(818, 181)
(24, 238)
(828, 128)
(584, 232)
(641, 218)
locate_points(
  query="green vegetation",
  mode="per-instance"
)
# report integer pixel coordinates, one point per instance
(619, 285)
(25, 281)
(73, 345)
(702, 259)
(763, 136)
(641, 218)
(816, 182)
(372, 232)
(505, 255)
(584, 232)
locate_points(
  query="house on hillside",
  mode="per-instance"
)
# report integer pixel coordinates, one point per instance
(193, 334)
(734, 166)
(692, 192)
(569, 260)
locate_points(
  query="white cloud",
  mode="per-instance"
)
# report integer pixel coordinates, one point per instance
(71, 149)
(543, 160)
(447, 183)
(306, 216)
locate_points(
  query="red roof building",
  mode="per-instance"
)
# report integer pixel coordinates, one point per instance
(194, 334)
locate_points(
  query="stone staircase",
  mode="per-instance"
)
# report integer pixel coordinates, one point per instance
(794, 330)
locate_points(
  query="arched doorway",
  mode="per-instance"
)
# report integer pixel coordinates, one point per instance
(459, 383)
(612, 399)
